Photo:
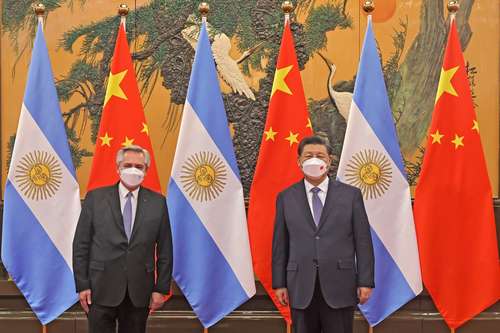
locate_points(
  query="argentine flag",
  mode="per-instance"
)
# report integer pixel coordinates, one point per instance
(42, 199)
(212, 262)
(371, 160)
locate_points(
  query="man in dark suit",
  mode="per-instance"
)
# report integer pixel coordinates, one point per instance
(322, 261)
(120, 229)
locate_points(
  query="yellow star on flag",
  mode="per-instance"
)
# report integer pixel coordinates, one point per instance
(145, 129)
(114, 88)
(436, 137)
(458, 141)
(270, 134)
(475, 126)
(128, 142)
(279, 80)
(445, 82)
(292, 138)
(309, 124)
(106, 140)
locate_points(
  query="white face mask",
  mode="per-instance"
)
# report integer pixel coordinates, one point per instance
(314, 167)
(131, 176)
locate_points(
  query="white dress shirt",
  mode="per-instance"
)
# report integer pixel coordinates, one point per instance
(321, 194)
(123, 191)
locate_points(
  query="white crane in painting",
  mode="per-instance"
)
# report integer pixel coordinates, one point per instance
(341, 99)
(226, 66)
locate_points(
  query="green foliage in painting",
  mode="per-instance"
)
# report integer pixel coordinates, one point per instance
(322, 19)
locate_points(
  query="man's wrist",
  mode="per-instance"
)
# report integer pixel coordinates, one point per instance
(82, 285)
(161, 291)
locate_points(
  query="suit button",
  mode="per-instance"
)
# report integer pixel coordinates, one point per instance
(317, 237)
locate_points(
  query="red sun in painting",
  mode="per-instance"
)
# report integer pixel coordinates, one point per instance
(384, 10)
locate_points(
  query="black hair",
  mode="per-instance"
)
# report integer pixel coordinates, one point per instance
(315, 140)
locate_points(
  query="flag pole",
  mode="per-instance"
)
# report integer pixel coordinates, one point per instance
(287, 7)
(204, 8)
(123, 12)
(369, 7)
(39, 10)
(453, 7)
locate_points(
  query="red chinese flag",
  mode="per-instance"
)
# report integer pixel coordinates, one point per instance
(287, 123)
(453, 202)
(122, 121)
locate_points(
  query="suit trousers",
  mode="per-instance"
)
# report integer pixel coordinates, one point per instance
(319, 317)
(131, 319)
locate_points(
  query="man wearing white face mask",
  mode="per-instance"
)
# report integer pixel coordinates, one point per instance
(322, 256)
(120, 229)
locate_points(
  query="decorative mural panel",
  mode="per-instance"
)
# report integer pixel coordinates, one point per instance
(245, 41)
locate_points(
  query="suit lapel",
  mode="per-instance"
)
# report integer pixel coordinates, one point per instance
(142, 199)
(304, 203)
(329, 202)
(114, 203)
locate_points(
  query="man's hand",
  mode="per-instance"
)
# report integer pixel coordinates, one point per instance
(85, 299)
(364, 294)
(282, 294)
(157, 301)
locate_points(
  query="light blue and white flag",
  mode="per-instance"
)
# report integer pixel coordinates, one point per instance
(371, 160)
(212, 261)
(42, 198)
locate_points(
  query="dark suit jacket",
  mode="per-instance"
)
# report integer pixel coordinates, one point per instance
(105, 262)
(339, 249)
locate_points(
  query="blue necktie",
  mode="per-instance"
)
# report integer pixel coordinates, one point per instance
(127, 215)
(317, 205)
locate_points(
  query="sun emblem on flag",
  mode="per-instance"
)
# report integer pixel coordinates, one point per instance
(38, 175)
(370, 171)
(204, 176)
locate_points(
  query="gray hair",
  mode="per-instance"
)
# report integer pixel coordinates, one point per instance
(120, 155)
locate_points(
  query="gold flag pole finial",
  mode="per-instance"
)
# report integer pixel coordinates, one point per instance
(39, 10)
(204, 8)
(368, 6)
(123, 12)
(453, 7)
(287, 7)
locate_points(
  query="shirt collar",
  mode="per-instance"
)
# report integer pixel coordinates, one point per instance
(124, 191)
(323, 186)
